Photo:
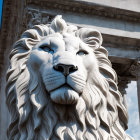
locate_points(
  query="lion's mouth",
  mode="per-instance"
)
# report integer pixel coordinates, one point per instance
(64, 94)
(66, 85)
(64, 90)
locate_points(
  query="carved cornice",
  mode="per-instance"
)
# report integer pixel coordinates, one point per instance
(89, 8)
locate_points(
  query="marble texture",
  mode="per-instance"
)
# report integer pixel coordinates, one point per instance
(61, 85)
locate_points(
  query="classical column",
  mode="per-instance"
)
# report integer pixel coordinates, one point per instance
(138, 87)
(122, 85)
(135, 71)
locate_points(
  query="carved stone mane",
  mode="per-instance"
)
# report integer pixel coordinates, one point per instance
(61, 86)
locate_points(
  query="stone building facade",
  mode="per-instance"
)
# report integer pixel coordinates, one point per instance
(119, 23)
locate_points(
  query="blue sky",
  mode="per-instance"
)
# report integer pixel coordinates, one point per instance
(133, 123)
(1, 2)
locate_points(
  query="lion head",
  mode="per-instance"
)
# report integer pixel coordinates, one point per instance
(60, 85)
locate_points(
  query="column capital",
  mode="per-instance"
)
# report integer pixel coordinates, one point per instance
(135, 68)
(123, 84)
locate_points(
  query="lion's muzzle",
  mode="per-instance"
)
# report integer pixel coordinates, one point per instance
(68, 84)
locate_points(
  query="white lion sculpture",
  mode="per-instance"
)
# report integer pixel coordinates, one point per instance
(61, 86)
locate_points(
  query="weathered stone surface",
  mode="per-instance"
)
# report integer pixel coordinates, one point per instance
(60, 85)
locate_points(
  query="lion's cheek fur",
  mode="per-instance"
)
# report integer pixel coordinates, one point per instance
(77, 83)
(64, 95)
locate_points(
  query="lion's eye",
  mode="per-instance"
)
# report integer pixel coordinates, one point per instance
(46, 49)
(82, 52)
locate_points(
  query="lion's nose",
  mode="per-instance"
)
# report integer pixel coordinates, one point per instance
(65, 69)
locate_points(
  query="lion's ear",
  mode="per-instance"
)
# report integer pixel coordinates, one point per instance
(91, 37)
